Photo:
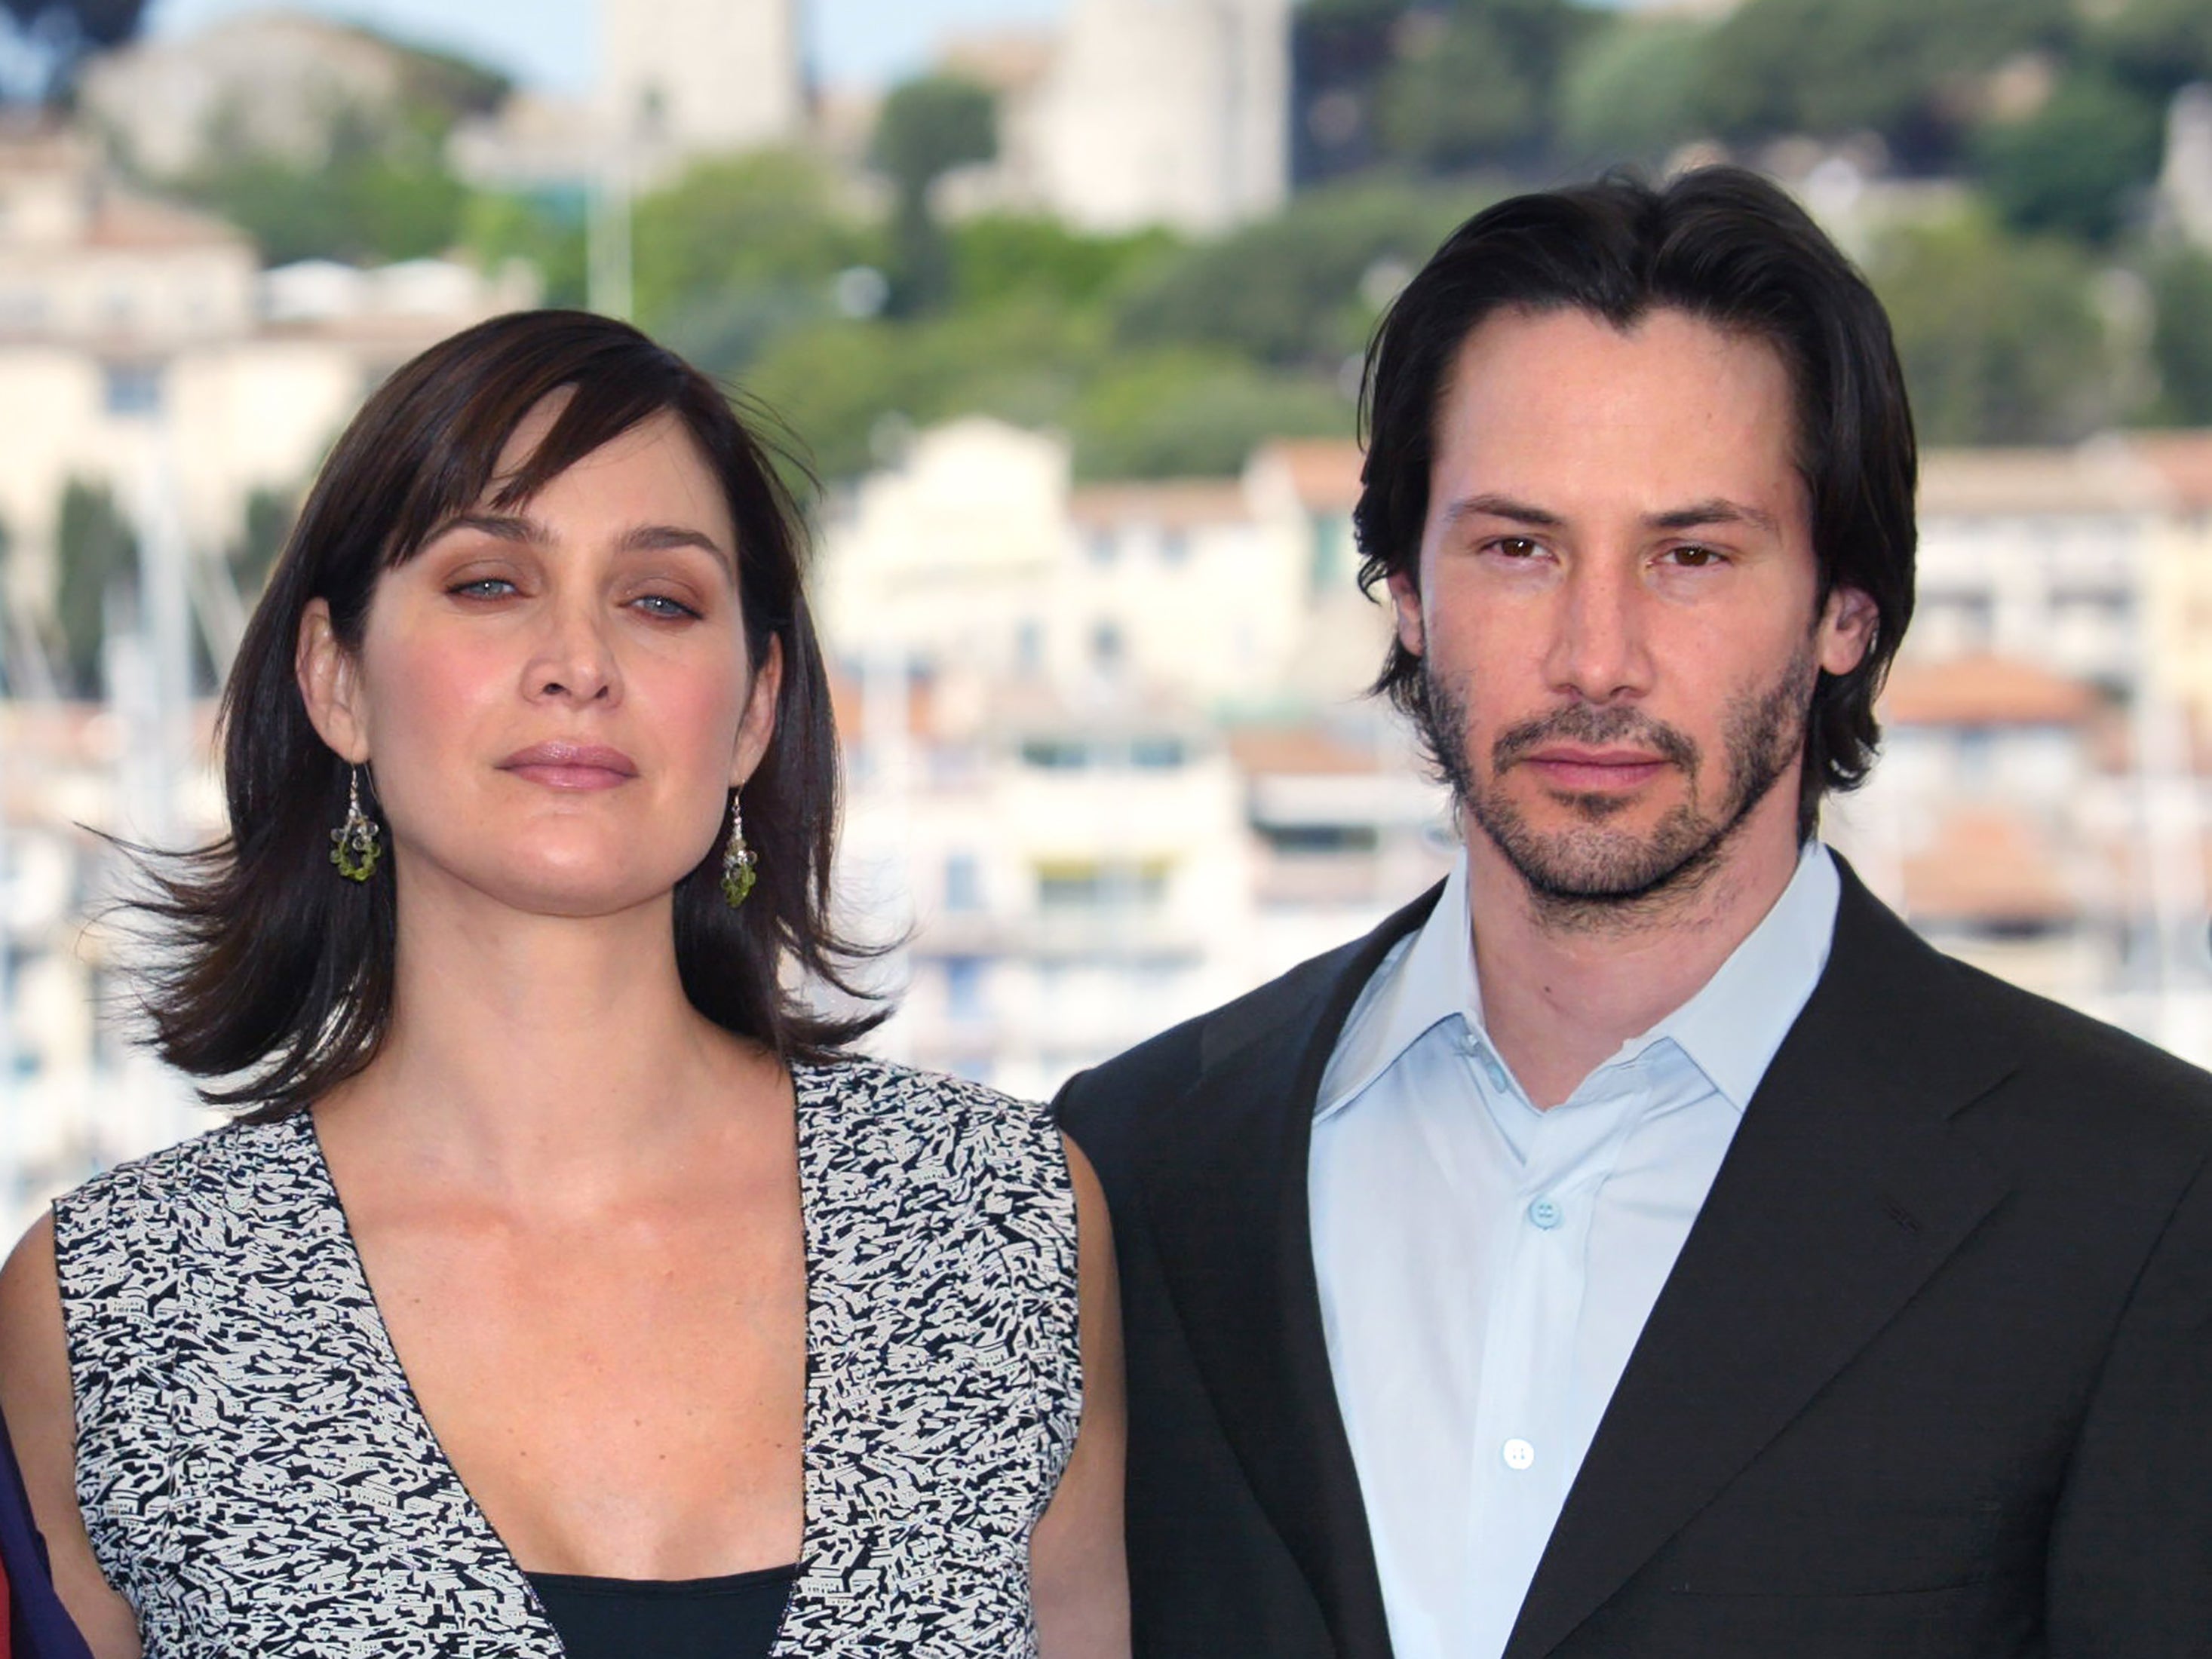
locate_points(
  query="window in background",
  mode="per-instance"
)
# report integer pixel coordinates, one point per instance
(1055, 754)
(964, 987)
(131, 389)
(963, 883)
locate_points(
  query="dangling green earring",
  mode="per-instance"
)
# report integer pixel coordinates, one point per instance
(355, 848)
(737, 860)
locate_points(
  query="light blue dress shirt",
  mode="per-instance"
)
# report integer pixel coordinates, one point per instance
(1486, 1267)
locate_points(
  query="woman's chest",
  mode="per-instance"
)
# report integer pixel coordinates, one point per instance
(626, 1402)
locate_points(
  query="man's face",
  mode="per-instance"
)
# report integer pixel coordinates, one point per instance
(1617, 606)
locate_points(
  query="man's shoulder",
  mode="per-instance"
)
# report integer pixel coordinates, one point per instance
(2064, 1051)
(2084, 1080)
(1102, 1107)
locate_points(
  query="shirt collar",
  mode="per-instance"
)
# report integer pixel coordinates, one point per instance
(1729, 1029)
(1738, 1019)
(1427, 978)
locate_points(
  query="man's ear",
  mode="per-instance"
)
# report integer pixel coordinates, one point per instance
(1405, 604)
(330, 684)
(1846, 632)
(756, 727)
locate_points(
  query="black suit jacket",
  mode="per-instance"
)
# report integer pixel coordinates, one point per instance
(1931, 1377)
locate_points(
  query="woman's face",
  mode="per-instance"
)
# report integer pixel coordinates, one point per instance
(556, 697)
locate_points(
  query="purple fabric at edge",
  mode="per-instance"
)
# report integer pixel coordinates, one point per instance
(38, 1628)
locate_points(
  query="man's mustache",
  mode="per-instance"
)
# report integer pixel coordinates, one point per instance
(1582, 722)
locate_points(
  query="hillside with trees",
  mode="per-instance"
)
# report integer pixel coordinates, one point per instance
(2000, 157)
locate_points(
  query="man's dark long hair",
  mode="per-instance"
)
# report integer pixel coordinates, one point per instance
(1731, 249)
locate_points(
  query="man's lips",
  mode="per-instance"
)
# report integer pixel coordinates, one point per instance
(1586, 771)
(571, 765)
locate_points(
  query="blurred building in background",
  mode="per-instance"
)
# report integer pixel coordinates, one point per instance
(1164, 111)
(1109, 758)
(1077, 355)
(680, 78)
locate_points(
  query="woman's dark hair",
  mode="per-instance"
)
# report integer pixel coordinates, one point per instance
(1722, 245)
(275, 978)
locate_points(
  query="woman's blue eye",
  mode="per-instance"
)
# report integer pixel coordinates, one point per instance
(659, 605)
(485, 587)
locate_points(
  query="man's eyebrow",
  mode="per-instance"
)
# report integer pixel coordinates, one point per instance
(1500, 507)
(1718, 510)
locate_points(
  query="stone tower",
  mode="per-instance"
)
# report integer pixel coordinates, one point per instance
(1167, 111)
(687, 77)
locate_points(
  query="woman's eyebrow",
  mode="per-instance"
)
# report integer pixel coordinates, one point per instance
(653, 538)
(505, 526)
(639, 539)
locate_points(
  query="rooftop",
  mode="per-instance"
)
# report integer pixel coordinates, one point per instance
(1984, 690)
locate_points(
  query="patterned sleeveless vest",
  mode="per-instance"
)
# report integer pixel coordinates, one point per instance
(257, 1477)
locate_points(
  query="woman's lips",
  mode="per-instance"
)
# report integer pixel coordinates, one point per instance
(571, 765)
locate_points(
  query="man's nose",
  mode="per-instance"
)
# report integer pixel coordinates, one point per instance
(1599, 651)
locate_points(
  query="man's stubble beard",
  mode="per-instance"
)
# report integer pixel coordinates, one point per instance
(1588, 876)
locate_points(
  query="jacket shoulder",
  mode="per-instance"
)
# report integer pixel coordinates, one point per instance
(1102, 1108)
(2141, 1093)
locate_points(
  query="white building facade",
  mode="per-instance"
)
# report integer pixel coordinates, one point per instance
(686, 77)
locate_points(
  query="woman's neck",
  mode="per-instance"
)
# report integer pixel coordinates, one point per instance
(541, 1053)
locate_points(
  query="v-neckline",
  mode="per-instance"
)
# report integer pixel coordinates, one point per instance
(489, 1543)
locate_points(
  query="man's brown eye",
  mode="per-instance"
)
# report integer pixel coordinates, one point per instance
(1696, 557)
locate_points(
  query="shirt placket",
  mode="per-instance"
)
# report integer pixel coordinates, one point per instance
(1539, 1264)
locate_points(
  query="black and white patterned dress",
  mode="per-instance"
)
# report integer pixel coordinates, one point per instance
(258, 1479)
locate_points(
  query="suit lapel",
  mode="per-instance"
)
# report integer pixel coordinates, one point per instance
(1226, 1197)
(1841, 1193)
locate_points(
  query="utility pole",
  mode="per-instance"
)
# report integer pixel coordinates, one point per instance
(608, 230)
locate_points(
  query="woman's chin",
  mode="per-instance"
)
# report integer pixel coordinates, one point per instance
(580, 892)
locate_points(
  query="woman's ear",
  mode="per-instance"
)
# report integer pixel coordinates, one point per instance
(758, 726)
(330, 684)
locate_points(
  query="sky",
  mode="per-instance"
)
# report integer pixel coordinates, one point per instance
(546, 44)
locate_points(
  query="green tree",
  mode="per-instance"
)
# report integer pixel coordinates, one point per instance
(2157, 46)
(1341, 50)
(99, 553)
(1188, 413)
(1999, 335)
(1889, 66)
(928, 127)
(383, 193)
(1474, 80)
(740, 250)
(2077, 164)
(546, 233)
(266, 527)
(847, 385)
(380, 189)
(1001, 257)
(1301, 288)
(2181, 339)
(1631, 91)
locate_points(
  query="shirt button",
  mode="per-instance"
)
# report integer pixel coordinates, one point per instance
(1545, 1212)
(1519, 1454)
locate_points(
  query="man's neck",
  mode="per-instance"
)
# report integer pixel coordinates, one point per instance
(1562, 992)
